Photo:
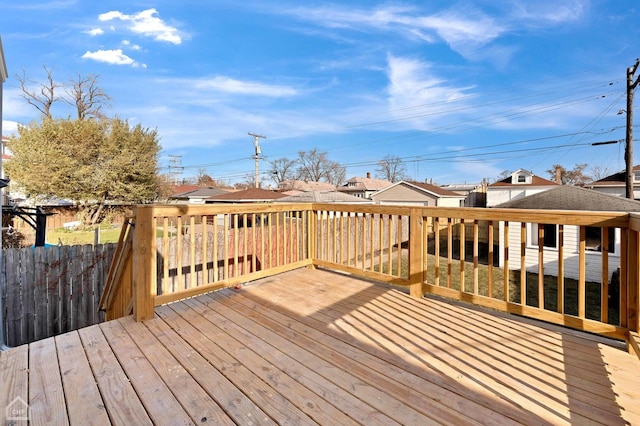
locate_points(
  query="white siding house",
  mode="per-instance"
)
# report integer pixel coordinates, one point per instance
(519, 184)
(564, 198)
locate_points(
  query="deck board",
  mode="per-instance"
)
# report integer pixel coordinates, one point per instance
(46, 395)
(84, 403)
(120, 399)
(316, 347)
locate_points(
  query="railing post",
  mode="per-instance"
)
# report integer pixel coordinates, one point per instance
(312, 236)
(144, 262)
(416, 253)
(633, 281)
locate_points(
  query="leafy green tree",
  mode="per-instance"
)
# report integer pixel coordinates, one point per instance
(91, 162)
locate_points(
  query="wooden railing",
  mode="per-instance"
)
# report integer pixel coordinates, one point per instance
(578, 269)
(181, 251)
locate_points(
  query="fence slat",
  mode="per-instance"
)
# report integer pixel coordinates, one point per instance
(76, 285)
(28, 295)
(64, 285)
(13, 303)
(41, 294)
(49, 291)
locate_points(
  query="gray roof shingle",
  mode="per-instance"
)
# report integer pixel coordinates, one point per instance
(567, 197)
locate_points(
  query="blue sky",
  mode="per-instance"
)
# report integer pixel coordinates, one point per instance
(460, 90)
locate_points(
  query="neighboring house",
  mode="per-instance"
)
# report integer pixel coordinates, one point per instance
(417, 194)
(364, 187)
(301, 185)
(323, 197)
(519, 184)
(616, 184)
(475, 195)
(565, 198)
(198, 195)
(251, 195)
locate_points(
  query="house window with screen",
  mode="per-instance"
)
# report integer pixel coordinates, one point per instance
(522, 179)
(550, 235)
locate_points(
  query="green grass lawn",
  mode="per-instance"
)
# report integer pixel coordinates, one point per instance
(550, 285)
(82, 236)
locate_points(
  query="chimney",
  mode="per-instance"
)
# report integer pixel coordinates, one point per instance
(558, 175)
(368, 175)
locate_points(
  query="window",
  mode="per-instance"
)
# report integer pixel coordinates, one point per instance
(550, 235)
(636, 176)
(522, 179)
(594, 239)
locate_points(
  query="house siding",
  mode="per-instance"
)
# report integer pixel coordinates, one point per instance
(593, 260)
(450, 202)
(401, 193)
(502, 195)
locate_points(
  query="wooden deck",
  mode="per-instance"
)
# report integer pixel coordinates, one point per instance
(316, 347)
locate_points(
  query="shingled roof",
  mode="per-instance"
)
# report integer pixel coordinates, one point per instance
(247, 196)
(322, 197)
(615, 179)
(567, 197)
(535, 181)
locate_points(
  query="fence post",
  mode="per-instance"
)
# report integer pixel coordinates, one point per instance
(415, 253)
(144, 263)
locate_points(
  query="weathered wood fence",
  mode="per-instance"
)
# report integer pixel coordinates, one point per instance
(51, 290)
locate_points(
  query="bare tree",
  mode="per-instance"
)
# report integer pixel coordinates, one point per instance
(203, 179)
(248, 182)
(314, 166)
(282, 169)
(503, 175)
(87, 97)
(574, 177)
(598, 172)
(336, 174)
(44, 96)
(391, 168)
(82, 93)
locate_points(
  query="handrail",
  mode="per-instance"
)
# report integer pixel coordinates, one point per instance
(496, 258)
(114, 299)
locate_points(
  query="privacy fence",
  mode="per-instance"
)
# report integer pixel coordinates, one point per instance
(51, 290)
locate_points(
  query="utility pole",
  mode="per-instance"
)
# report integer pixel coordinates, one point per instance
(628, 154)
(174, 167)
(256, 156)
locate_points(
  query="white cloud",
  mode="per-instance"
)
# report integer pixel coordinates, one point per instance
(418, 95)
(95, 32)
(147, 23)
(128, 44)
(460, 28)
(551, 12)
(114, 57)
(230, 85)
(9, 127)
(463, 31)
